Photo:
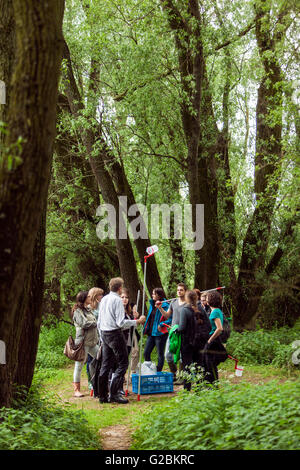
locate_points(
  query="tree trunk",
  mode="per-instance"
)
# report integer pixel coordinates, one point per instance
(124, 249)
(177, 271)
(207, 260)
(187, 30)
(7, 51)
(123, 189)
(25, 168)
(267, 162)
(32, 306)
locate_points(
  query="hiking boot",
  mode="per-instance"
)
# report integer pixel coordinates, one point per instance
(77, 393)
(118, 399)
(103, 400)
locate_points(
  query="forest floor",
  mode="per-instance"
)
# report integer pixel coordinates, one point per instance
(115, 422)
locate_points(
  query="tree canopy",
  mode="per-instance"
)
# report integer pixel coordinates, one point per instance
(166, 103)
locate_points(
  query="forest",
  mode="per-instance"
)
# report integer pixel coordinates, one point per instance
(131, 123)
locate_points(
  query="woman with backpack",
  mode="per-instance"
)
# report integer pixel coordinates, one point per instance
(86, 331)
(202, 330)
(187, 327)
(214, 352)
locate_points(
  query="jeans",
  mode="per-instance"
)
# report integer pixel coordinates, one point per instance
(88, 361)
(114, 351)
(160, 343)
(92, 350)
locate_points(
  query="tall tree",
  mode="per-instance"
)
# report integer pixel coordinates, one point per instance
(199, 130)
(89, 137)
(7, 50)
(268, 161)
(180, 98)
(25, 164)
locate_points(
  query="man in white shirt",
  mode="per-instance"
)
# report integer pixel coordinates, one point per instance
(111, 322)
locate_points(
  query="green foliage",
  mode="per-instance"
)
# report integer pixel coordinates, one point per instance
(264, 347)
(44, 424)
(135, 107)
(248, 417)
(51, 345)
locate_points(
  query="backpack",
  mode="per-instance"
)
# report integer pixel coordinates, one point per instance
(202, 328)
(226, 330)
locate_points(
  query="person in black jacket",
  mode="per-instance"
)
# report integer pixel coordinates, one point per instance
(202, 331)
(187, 328)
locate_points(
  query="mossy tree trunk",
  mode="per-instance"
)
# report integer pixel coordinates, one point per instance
(201, 148)
(268, 158)
(25, 169)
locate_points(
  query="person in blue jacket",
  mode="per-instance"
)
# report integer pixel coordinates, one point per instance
(154, 328)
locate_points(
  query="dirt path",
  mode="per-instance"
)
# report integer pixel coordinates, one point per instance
(115, 438)
(116, 433)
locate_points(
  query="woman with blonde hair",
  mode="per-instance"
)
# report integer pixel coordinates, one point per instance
(95, 296)
(86, 331)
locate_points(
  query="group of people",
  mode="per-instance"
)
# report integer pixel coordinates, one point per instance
(110, 321)
(199, 321)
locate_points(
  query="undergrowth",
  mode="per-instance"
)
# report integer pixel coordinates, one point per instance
(44, 423)
(274, 347)
(247, 417)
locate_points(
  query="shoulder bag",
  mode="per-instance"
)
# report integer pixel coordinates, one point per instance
(75, 353)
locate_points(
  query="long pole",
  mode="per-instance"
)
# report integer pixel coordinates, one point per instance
(201, 292)
(132, 338)
(142, 332)
(210, 290)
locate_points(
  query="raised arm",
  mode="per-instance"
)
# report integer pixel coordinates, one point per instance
(165, 313)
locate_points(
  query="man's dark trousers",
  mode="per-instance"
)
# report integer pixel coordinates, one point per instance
(114, 350)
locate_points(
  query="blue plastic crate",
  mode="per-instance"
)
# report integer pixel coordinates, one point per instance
(162, 382)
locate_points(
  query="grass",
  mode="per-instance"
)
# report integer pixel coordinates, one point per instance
(254, 372)
(247, 417)
(57, 378)
(98, 415)
(101, 416)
